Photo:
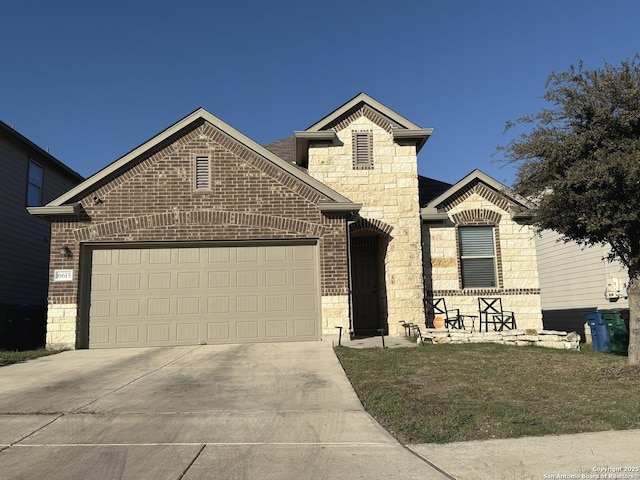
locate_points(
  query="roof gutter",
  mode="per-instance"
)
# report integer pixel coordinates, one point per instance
(339, 207)
(69, 210)
(419, 135)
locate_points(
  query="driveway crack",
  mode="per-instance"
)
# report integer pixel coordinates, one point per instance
(24, 437)
(184, 472)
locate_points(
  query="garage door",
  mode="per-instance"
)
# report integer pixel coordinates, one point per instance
(218, 294)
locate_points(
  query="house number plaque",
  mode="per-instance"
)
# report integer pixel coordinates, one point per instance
(63, 275)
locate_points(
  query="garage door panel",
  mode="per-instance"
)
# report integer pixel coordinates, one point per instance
(188, 332)
(304, 303)
(129, 281)
(160, 256)
(127, 334)
(246, 254)
(231, 294)
(247, 279)
(188, 280)
(158, 307)
(188, 306)
(276, 329)
(218, 331)
(129, 257)
(247, 330)
(219, 279)
(303, 328)
(219, 304)
(157, 333)
(247, 304)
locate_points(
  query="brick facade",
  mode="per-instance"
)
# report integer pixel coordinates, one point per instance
(154, 200)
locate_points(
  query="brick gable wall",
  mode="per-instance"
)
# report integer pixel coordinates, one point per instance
(250, 199)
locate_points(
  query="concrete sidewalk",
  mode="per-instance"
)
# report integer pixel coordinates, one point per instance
(600, 455)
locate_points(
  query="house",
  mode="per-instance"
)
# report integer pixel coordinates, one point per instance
(200, 235)
(575, 280)
(30, 177)
(499, 260)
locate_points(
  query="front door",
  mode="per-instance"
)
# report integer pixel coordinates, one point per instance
(365, 283)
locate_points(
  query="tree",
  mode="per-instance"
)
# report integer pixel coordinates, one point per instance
(580, 161)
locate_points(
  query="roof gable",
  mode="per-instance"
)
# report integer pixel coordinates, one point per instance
(63, 204)
(361, 105)
(476, 183)
(359, 101)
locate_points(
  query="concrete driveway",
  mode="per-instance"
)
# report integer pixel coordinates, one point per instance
(262, 411)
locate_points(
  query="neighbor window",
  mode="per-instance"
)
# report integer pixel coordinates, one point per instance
(34, 184)
(477, 257)
(362, 149)
(203, 173)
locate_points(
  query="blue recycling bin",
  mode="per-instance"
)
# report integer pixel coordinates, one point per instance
(599, 332)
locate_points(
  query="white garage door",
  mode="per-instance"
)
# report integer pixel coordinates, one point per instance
(218, 294)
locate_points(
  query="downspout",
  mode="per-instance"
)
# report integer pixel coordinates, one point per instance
(349, 280)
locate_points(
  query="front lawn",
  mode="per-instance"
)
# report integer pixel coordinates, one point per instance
(9, 357)
(448, 393)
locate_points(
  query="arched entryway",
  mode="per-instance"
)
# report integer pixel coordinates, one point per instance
(369, 240)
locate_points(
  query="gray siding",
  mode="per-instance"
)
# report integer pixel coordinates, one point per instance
(24, 240)
(573, 280)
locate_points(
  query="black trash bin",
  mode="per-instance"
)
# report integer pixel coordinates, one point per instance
(22, 327)
(599, 332)
(617, 329)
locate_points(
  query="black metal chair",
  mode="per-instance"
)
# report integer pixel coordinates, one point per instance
(490, 311)
(437, 307)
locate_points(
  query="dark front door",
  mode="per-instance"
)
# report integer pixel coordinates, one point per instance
(365, 284)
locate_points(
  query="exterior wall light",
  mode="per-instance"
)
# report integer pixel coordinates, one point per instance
(65, 251)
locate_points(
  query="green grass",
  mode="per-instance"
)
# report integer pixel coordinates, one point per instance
(9, 357)
(448, 393)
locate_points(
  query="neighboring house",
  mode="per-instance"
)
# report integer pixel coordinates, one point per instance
(200, 235)
(575, 280)
(477, 244)
(30, 177)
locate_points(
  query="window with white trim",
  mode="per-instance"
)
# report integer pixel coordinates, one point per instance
(477, 256)
(34, 184)
(202, 177)
(362, 149)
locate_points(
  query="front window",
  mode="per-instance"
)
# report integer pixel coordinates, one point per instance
(477, 257)
(34, 184)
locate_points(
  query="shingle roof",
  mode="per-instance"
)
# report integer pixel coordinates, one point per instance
(284, 148)
(429, 188)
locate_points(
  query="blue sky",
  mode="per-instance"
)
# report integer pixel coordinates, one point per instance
(92, 80)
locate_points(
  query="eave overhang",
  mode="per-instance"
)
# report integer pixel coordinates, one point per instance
(61, 205)
(339, 207)
(419, 136)
(431, 215)
(303, 139)
(71, 210)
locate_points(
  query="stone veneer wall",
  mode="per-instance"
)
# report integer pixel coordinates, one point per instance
(518, 283)
(542, 338)
(389, 194)
(61, 325)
